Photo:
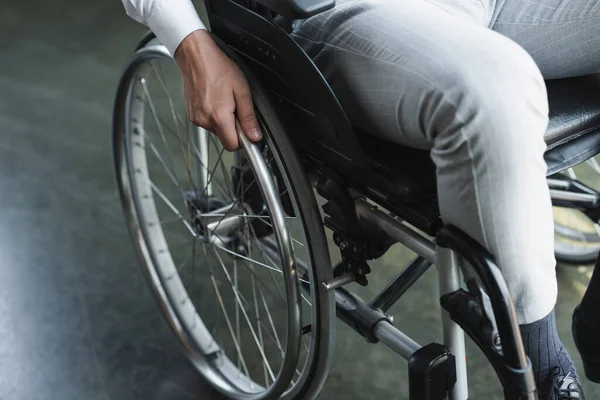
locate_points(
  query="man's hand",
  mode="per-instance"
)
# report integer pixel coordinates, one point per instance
(215, 88)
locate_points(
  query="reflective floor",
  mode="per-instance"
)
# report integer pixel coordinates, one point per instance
(76, 320)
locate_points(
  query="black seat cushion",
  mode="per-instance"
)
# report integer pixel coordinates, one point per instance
(408, 175)
(574, 108)
(398, 172)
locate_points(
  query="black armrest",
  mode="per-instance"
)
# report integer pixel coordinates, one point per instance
(297, 9)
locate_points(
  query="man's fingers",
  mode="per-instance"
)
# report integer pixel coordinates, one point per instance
(225, 130)
(246, 115)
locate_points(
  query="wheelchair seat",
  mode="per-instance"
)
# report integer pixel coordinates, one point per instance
(401, 179)
(573, 135)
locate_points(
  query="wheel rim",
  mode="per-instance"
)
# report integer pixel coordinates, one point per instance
(231, 375)
(577, 237)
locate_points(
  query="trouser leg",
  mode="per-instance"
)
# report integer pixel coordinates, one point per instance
(413, 73)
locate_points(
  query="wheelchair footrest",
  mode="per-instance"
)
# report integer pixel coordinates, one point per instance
(431, 373)
(469, 312)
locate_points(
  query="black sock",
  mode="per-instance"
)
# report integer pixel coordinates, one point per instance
(546, 352)
(590, 304)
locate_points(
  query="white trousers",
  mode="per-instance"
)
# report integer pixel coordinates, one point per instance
(465, 78)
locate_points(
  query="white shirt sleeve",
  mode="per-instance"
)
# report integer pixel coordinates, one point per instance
(170, 20)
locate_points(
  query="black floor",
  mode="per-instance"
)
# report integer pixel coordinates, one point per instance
(76, 320)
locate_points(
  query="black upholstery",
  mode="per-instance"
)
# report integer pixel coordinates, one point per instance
(297, 9)
(402, 173)
(574, 108)
(573, 136)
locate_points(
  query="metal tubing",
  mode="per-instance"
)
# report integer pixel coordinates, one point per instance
(339, 281)
(454, 336)
(226, 209)
(558, 184)
(396, 230)
(226, 219)
(401, 283)
(589, 199)
(495, 286)
(225, 225)
(288, 266)
(397, 341)
(201, 135)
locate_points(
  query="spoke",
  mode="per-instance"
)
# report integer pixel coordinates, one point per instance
(245, 301)
(258, 325)
(157, 121)
(266, 257)
(261, 218)
(186, 160)
(572, 174)
(261, 321)
(242, 215)
(223, 189)
(235, 203)
(198, 157)
(177, 130)
(228, 182)
(212, 173)
(210, 268)
(276, 336)
(172, 207)
(294, 240)
(238, 299)
(164, 88)
(193, 269)
(301, 280)
(169, 220)
(170, 173)
(252, 242)
(162, 161)
(305, 346)
(225, 249)
(251, 270)
(235, 342)
(186, 261)
(237, 306)
(264, 285)
(179, 268)
(211, 272)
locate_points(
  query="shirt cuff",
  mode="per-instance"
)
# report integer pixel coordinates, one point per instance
(172, 20)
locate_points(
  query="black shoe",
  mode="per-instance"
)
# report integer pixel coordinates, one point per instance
(565, 388)
(585, 335)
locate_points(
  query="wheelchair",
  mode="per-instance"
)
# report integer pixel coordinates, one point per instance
(233, 245)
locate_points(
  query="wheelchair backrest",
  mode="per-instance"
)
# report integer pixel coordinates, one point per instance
(303, 97)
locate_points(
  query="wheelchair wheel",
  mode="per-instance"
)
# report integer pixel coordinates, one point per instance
(577, 237)
(231, 244)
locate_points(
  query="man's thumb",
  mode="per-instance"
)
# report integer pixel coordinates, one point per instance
(247, 117)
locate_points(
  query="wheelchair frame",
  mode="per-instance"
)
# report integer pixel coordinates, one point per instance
(339, 172)
(328, 142)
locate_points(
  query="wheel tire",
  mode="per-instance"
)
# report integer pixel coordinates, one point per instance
(322, 315)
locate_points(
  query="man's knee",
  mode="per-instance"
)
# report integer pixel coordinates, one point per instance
(499, 92)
